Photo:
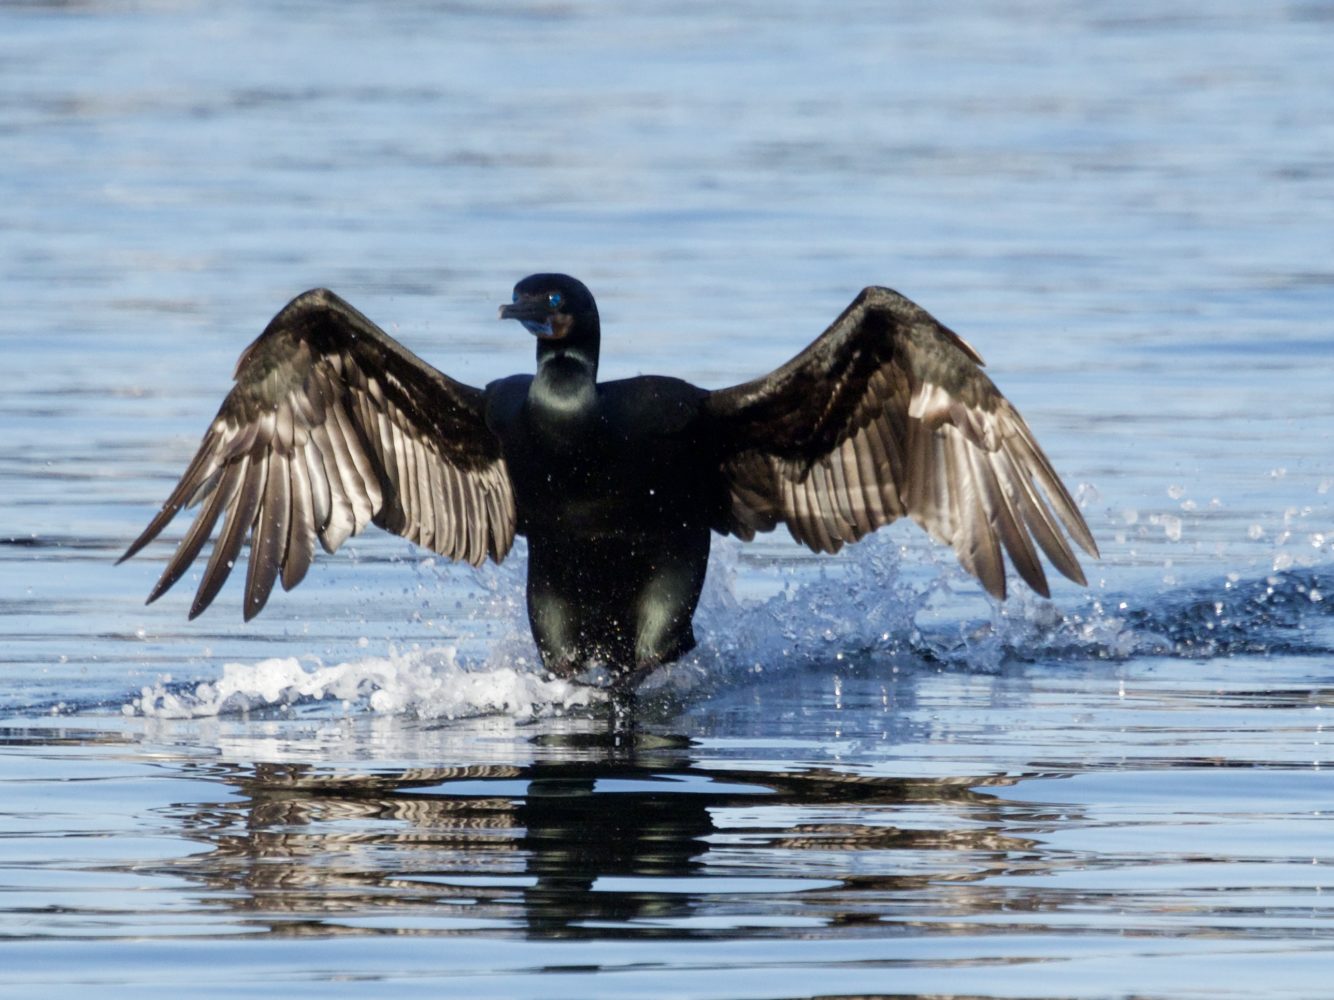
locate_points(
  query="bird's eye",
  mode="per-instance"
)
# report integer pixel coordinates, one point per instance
(555, 299)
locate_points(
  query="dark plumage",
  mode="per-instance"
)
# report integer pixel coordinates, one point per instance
(333, 425)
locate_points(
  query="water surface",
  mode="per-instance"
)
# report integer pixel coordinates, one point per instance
(869, 779)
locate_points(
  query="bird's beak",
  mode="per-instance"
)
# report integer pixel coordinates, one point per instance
(525, 310)
(533, 314)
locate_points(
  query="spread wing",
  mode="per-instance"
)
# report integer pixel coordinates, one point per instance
(333, 425)
(888, 413)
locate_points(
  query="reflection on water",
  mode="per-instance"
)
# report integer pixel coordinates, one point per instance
(632, 839)
(889, 826)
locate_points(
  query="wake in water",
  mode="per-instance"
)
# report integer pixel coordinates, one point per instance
(865, 611)
(428, 683)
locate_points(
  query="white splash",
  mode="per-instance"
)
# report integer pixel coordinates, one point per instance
(429, 683)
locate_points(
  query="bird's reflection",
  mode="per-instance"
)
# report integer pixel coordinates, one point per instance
(575, 835)
(597, 836)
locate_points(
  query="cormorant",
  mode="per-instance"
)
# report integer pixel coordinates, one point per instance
(333, 425)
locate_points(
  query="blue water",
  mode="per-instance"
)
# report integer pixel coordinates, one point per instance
(870, 779)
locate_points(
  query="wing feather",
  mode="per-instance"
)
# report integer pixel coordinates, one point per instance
(268, 543)
(240, 518)
(331, 426)
(889, 413)
(321, 495)
(341, 522)
(200, 529)
(302, 523)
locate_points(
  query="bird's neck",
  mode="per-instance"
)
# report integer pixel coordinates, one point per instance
(565, 386)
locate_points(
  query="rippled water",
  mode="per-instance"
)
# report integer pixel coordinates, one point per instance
(868, 780)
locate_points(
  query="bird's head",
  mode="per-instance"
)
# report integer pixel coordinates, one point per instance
(553, 307)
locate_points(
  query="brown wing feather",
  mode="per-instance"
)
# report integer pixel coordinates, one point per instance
(888, 413)
(333, 425)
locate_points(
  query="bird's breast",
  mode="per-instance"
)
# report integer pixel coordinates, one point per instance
(603, 482)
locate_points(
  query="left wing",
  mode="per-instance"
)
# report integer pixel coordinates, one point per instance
(333, 425)
(888, 413)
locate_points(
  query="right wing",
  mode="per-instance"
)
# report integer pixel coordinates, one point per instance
(333, 425)
(888, 413)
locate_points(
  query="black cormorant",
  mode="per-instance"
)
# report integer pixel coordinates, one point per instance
(334, 425)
